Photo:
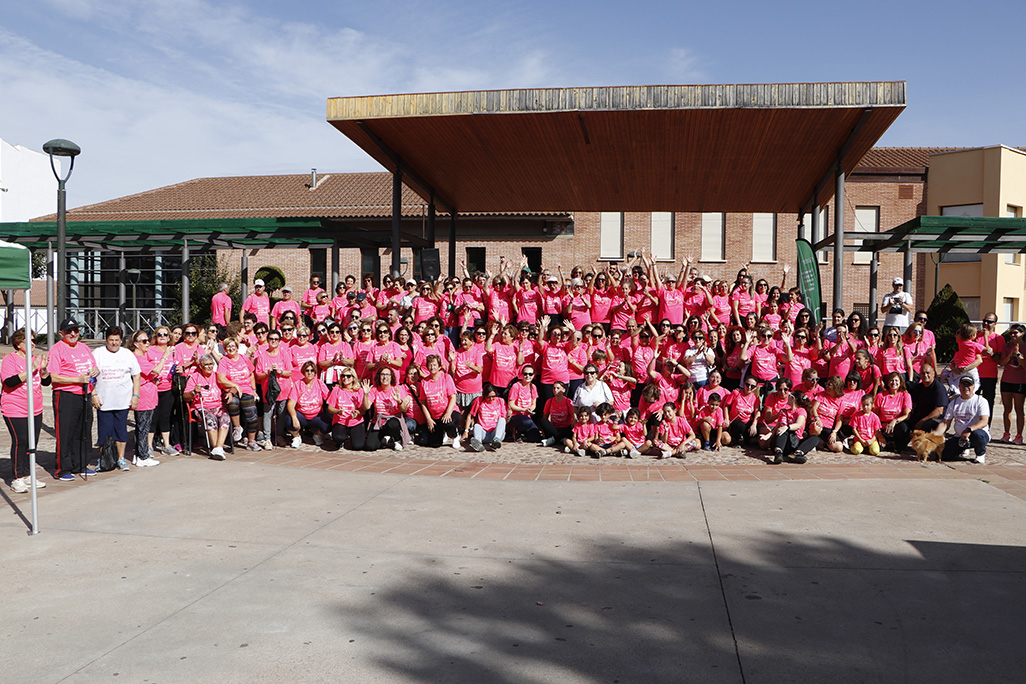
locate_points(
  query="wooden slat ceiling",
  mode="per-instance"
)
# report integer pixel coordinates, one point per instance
(736, 148)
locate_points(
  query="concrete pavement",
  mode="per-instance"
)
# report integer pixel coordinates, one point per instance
(198, 571)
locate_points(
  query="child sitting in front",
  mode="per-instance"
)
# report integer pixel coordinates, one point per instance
(635, 434)
(675, 435)
(583, 438)
(865, 428)
(710, 424)
(607, 433)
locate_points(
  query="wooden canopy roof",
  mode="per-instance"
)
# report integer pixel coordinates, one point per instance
(743, 148)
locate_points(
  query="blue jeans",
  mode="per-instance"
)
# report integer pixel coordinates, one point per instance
(978, 441)
(496, 435)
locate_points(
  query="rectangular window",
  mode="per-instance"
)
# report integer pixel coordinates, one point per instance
(1009, 310)
(975, 210)
(972, 307)
(764, 237)
(319, 266)
(611, 235)
(475, 260)
(534, 259)
(867, 220)
(662, 235)
(714, 243)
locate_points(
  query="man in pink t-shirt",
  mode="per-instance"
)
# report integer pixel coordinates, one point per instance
(221, 307)
(258, 304)
(72, 368)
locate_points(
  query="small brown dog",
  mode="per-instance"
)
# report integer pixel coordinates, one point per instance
(926, 444)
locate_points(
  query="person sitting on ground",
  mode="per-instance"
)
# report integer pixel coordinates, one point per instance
(968, 416)
(486, 419)
(204, 394)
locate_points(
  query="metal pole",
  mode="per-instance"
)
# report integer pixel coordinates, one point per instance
(245, 275)
(31, 412)
(802, 232)
(334, 265)
(874, 275)
(121, 289)
(452, 243)
(185, 281)
(839, 237)
(431, 221)
(815, 223)
(907, 271)
(62, 253)
(397, 215)
(50, 324)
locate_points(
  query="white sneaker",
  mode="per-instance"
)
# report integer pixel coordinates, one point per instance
(253, 446)
(967, 455)
(147, 462)
(456, 442)
(981, 459)
(318, 440)
(20, 486)
(580, 452)
(548, 441)
(397, 446)
(666, 453)
(634, 453)
(567, 450)
(237, 434)
(296, 441)
(446, 440)
(265, 444)
(217, 453)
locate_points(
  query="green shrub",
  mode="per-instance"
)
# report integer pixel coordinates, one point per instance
(206, 273)
(947, 315)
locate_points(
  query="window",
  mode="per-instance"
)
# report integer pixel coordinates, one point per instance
(962, 210)
(972, 307)
(662, 235)
(714, 236)
(764, 237)
(319, 266)
(534, 258)
(611, 235)
(475, 260)
(1012, 211)
(370, 262)
(1010, 309)
(867, 220)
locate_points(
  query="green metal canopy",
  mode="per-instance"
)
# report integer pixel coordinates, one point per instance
(942, 235)
(15, 267)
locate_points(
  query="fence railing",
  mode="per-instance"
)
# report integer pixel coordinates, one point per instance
(94, 321)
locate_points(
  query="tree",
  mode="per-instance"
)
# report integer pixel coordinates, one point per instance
(206, 273)
(947, 314)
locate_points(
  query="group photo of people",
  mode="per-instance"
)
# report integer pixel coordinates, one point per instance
(642, 359)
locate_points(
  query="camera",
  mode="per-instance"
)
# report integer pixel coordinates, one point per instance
(896, 309)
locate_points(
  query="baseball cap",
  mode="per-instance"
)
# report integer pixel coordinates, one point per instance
(552, 279)
(284, 289)
(897, 281)
(966, 380)
(68, 324)
(259, 282)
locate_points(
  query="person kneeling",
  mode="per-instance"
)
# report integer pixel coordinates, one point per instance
(968, 415)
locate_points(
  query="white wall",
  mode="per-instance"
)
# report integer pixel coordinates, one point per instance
(27, 186)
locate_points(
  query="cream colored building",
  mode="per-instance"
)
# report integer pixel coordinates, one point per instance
(982, 181)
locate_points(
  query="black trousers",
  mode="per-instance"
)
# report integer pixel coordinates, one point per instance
(73, 417)
(18, 428)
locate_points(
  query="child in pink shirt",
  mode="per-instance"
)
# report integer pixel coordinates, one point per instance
(968, 356)
(635, 434)
(675, 434)
(710, 423)
(865, 427)
(584, 432)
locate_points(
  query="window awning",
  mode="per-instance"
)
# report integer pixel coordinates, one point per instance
(942, 235)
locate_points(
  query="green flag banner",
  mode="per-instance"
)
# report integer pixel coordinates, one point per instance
(808, 279)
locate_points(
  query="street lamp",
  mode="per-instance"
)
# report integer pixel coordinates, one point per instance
(61, 148)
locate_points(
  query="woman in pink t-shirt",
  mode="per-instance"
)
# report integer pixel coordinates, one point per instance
(555, 364)
(345, 404)
(742, 415)
(204, 394)
(385, 402)
(825, 418)
(14, 406)
(789, 440)
(438, 401)
(487, 419)
(235, 376)
(894, 405)
(601, 293)
(150, 371)
(306, 407)
(762, 356)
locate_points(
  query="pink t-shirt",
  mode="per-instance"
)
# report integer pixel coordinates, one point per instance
(890, 406)
(890, 360)
(386, 401)
(309, 398)
(521, 396)
(584, 431)
(238, 370)
(185, 354)
(499, 304)
(621, 390)
(742, 405)
(283, 360)
(147, 384)
(671, 304)
(702, 394)
(866, 424)
(350, 401)
(70, 361)
(635, 434)
(578, 309)
(554, 364)
(560, 411)
(163, 379)
(259, 307)
(14, 401)
(488, 413)
(607, 433)
(220, 309)
(601, 302)
(675, 431)
(504, 364)
(208, 394)
(435, 394)
(713, 415)
(423, 309)
(764, 362)
(827, 410)
(300, 355)
(468, 380)
(286, 305)
(967, 353)
(528, 302)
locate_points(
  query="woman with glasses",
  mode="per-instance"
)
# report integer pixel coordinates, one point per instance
(386, 426)
(840, 355)
(552, 354)
(733, 365)
(274, 361)
(789, 439)
(623, 305)
(345, 404)
(526, 298)
(384, 353)
(302, 350)
(741, 414)
(592, 391)
(159, 347)
(797, 354)
(825, 416)
(235, 377)
(149, 376)
(116, 391)
(1013, 381)
(742, 302)
(505, 357)
(184, 359)
(336, 354)
(892, 357)
(416, 424)
(204, 394)
(644, 343)
(988, 368)
(761, 357)
(870, 376)
(577, 305)
(431, 345)
(775, 404)
(406, 344)
(698, 361)
(438, 402)
(893, 406)
(306, 407)
(467, 364)
(601, 293)
(340, 303)
(523, 403)
(426, 305)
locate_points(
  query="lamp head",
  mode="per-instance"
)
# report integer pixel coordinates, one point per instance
(61, 148)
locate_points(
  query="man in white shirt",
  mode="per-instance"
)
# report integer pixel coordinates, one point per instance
(968, 415)
(897, 305)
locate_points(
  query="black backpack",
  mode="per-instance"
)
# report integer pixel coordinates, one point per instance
(108, 455)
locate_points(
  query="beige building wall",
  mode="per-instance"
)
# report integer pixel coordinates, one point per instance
(986, 181)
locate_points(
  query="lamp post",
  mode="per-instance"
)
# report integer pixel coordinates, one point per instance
(61, 148)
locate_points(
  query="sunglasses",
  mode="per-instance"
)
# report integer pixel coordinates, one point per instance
(288, 330)
(143, 341)
(302, 334)
(528, 375)
(922, 319)
(191, 333)
(162, 334)
(591, 372)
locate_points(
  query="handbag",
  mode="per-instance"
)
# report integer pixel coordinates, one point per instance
(273, 389)
(108, 455)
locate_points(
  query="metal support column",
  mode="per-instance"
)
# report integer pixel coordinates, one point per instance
(245, 274)
(121, 318)
(874, 293)
(907, 271)
(838, 237)
(334, 265)
(452, 244)
(397, 215)
(803, 233)
(185, 282)
(815, 224)
(431, 222)
(50, 323)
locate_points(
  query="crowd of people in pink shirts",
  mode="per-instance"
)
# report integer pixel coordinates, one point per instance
(647, 359)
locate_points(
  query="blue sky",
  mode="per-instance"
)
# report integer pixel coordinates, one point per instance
(240, 88)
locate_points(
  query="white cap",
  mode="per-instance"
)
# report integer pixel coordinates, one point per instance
(258, 282)
(897, 281)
